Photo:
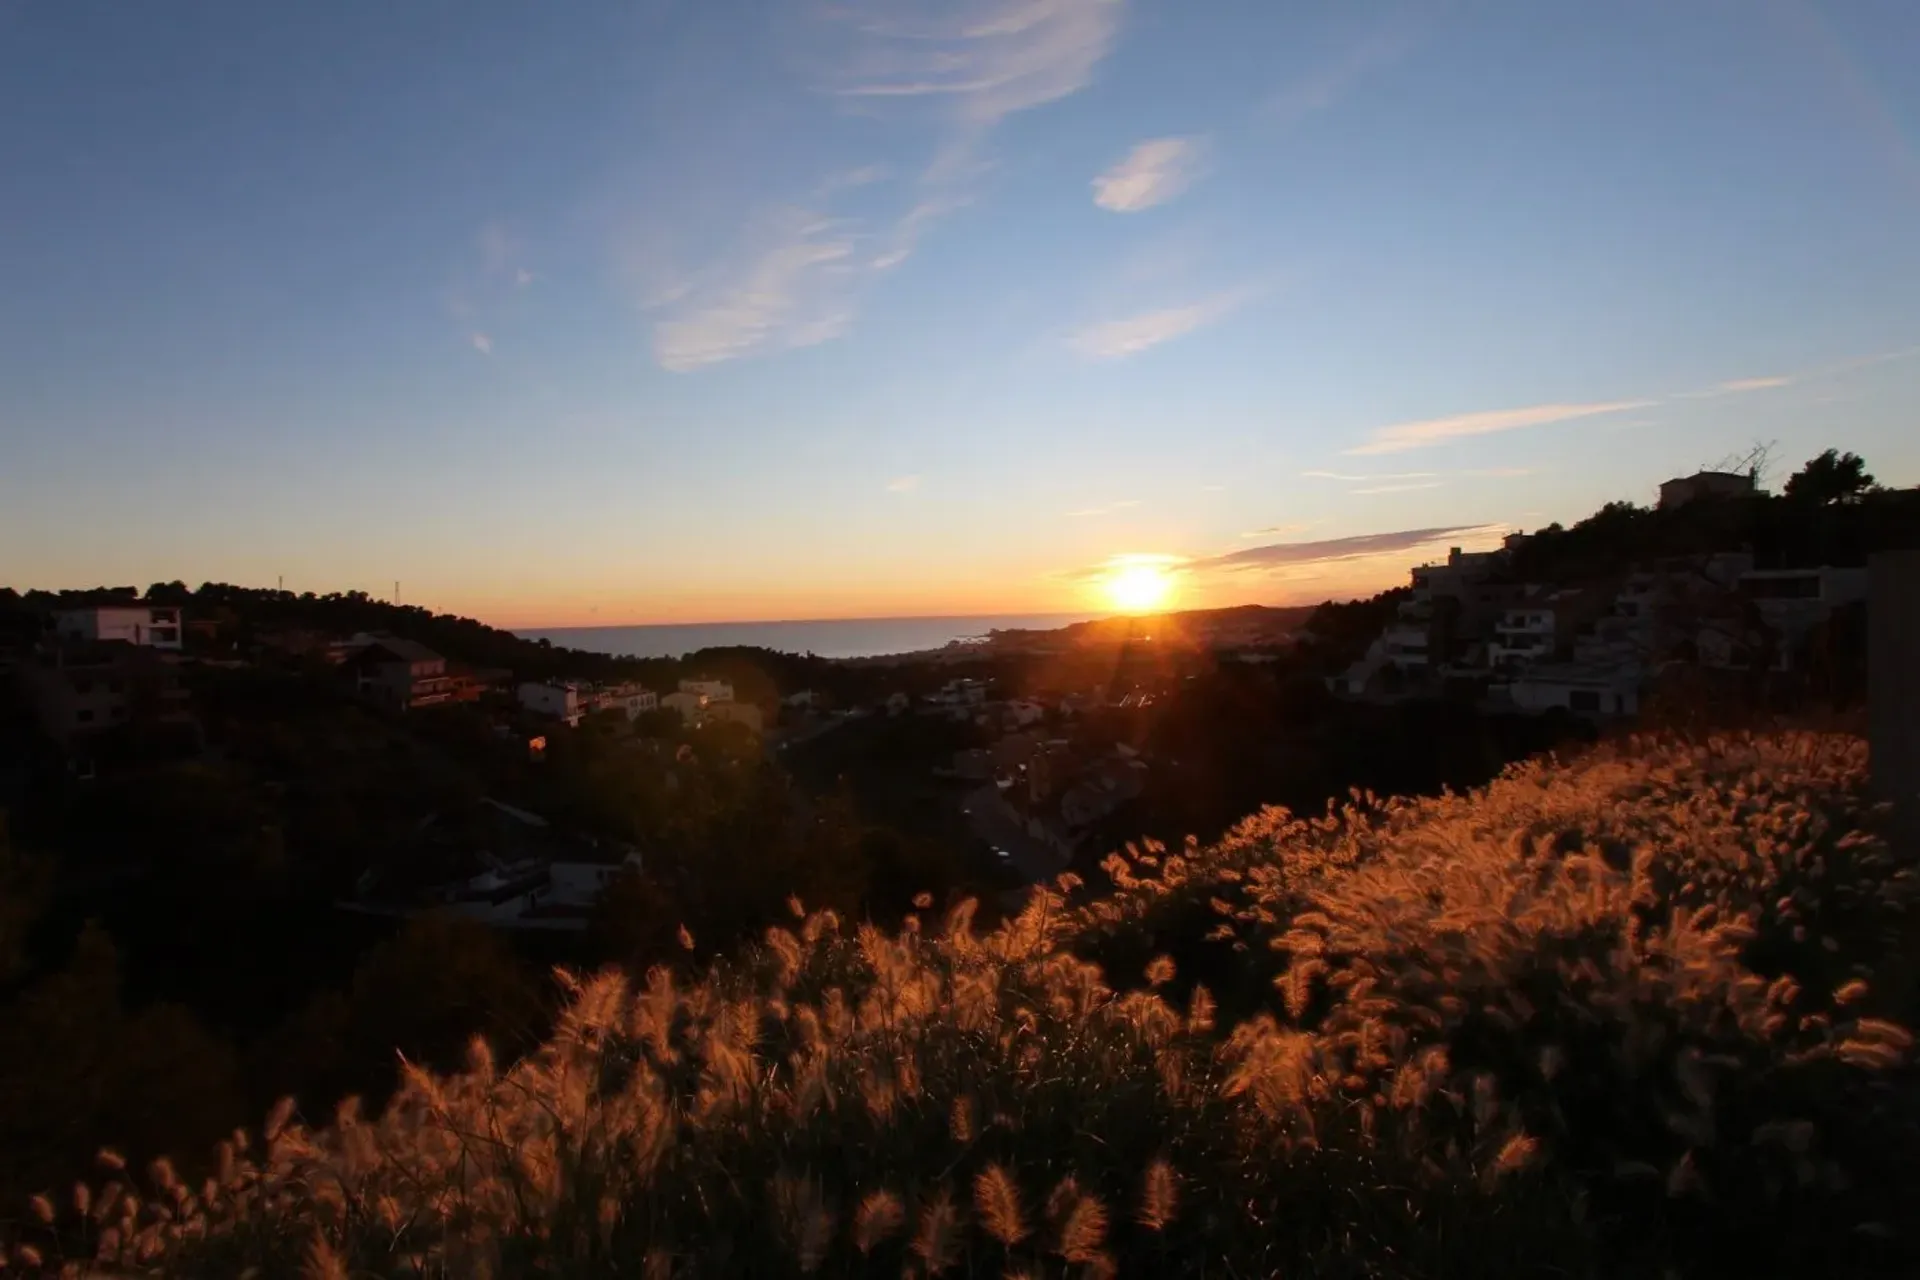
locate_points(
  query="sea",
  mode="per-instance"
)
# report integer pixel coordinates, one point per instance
(835, 638)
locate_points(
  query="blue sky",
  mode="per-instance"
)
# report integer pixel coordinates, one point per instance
(684, 311)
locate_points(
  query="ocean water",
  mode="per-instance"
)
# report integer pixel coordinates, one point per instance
(838, 638)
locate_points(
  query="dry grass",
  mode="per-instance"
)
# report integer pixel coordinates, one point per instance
(1643, 1011)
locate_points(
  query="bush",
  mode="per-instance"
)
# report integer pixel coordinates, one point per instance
(1634, 1013)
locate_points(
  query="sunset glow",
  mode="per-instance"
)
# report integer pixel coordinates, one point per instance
(1138, 586)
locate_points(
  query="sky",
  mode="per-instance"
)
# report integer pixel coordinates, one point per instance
(699, 310)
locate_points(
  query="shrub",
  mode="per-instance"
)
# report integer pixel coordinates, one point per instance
(1585, 1021)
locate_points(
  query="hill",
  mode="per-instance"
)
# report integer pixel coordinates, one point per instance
(1634, 1012)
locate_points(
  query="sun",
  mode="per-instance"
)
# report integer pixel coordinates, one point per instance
(1138, 588)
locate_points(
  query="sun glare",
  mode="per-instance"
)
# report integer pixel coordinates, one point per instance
(1138, 588)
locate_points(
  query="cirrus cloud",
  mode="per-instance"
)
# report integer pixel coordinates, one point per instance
(1403, 436)
(1153, 173)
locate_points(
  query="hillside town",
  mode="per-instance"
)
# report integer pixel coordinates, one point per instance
(1468, 626)
(1031, 762)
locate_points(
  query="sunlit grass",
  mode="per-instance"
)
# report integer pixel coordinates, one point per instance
(1601, 1018)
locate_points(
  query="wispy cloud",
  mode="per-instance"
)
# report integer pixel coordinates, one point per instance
(1125, 560)
(1736, 386)
(1358, 547)
(498, 249)
(1395, 475)
(1396, 488)
(1130, 335)
(786, 287)
(1153, 173)
(1404, 436)
(1109, 509)
(487, 275)
(1324, 85)
(987, 58)
(1753, 384)
(903, 484)
(795, 272)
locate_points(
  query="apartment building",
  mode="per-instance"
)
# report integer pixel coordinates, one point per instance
(80, 688)
(147, 626)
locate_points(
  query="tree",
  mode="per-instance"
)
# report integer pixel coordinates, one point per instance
(1832, 477)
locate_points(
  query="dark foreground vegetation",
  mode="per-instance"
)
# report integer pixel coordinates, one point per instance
(1637, 1014)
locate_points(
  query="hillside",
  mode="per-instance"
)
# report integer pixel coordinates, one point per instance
(1637, 1011)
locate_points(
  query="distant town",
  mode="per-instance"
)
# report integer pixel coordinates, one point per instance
(1037, 761)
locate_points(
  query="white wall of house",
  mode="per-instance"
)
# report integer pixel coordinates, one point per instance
(1590, 692)
(155, 627)
(711, 690)
(561, 701)
(688, 703)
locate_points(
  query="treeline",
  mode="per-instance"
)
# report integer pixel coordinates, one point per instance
(243, 616)
(1830, 512)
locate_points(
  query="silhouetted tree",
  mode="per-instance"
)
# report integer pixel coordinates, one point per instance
(1831, 477)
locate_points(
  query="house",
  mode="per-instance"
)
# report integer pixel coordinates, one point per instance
(728, 711)
(149, 626)
(398, 673)
(1449, 605)
(689, 704)
(1585, 689)
(560, 699)
(80, 688)
(960, 697)
(804, 700)
(1542, 626)
(1771, 614)
(634, 699)
(1022, 712)
(711, 690)
(1101, 790)
(975, 764)
(1893, 684)
(1014, 752)
(1680, 491)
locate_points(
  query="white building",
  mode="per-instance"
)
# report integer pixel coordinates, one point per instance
(561, 699)
(575, 700)
(1583, 688)
(1535, 629)
(711, 690)
(1791, 605)
(635, 700)
(1023, 712)
(151, 626)
(1706, 484)
(688, 703)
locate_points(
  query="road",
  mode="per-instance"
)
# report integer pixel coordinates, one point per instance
(994, 821)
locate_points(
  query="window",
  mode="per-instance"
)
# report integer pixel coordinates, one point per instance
(166, 615)
(166, 635)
